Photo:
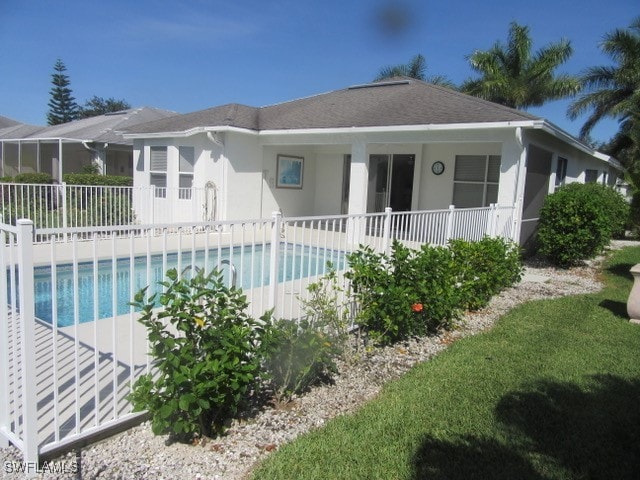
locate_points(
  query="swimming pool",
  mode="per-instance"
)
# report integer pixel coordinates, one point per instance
(251, 263)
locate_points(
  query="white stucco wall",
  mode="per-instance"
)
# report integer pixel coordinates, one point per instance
(293, 202)
(329, 178)
(577, 160)
(244, 169)
(436, 191)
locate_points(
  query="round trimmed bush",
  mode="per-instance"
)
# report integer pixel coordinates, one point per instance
(578, 220)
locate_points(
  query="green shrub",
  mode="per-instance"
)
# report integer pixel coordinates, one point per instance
(97, 179)
(109, 208)
(388, 291)
(302, 354)
(206, 351)
(577, 222)
(634, 213)
(484, 269)
(34, 177)
(617, 208)
(297, 356)
(415, 292)
(430, 275)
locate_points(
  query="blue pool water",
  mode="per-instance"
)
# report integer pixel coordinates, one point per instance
(251, 263)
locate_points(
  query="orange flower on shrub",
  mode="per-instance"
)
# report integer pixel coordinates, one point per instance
(416, 307)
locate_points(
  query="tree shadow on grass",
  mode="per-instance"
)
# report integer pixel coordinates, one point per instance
(561, 427)
(470, 457)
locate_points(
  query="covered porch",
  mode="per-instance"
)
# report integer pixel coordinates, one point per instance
(58, 156)
(408, 171)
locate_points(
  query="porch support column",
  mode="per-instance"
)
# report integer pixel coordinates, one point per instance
(359, 179)
(521, 179)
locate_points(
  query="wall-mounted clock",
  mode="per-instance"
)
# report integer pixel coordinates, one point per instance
(437, 168)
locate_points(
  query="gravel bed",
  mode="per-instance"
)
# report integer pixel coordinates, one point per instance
(138, 454)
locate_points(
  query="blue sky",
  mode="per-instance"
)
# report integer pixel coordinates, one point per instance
(187, 55)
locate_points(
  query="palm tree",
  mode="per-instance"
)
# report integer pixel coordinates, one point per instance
(514, 76)
(414, 69)
(614, 91)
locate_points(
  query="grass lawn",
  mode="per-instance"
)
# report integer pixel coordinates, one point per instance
(551, 392)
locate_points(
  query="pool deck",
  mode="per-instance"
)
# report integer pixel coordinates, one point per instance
(79, 386)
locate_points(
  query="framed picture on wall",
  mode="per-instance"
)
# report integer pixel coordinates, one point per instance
(289, 171)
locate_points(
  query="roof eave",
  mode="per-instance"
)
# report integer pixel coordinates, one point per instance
(188, 133)
(400, 128)
(47, 139)
(557, 132)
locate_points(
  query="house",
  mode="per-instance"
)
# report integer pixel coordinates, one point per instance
(68, 147)
(404, 144)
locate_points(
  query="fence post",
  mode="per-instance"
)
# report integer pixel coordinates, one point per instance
(27, 341)
(491, 220)
(515, 233)
(276, 225)
(4, 346)
(152, 203)
(452, 210)
(65, 218)
(386, 230)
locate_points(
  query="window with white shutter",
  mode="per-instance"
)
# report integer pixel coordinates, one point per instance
(185, 166)
(475, 180)
(158, 170)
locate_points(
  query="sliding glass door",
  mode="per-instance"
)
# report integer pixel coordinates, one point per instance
(390, 182)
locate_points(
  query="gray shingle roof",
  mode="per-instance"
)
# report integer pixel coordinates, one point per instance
(19, 130)
(7, 122)
(393, 103)
(233, 115)
(106, 128)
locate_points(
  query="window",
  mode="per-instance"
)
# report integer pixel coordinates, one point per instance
(475, 180)
(185, 172)
(158, 171)
(590, 176)
(561, 171)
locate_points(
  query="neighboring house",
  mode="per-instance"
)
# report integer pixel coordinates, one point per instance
(68, 147)
(404, 144)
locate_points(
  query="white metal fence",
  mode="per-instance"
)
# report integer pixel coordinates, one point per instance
(68, 206)
(70, 345)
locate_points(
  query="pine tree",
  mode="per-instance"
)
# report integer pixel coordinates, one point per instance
(62, 106)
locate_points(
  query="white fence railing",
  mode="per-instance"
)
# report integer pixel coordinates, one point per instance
(70, 344)
(69, 206)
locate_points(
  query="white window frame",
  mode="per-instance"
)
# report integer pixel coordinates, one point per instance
(156, 171)
(485, 182)
(591, 171)
(186, 163)
(561, 171)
